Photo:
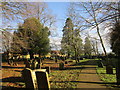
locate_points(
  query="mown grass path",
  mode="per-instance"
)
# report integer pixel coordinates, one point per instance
(88, 77)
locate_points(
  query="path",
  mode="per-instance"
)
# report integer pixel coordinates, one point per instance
(88, 77)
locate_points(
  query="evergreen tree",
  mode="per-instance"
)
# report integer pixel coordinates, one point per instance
(87, 47)
(35, 36)
(67, 37)
(71, 42)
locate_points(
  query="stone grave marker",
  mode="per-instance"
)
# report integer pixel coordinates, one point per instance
(27, 63)
(42, 80)
(29, 78)
(61, 65)
(66, 62)
(39, 64)
(100, 64)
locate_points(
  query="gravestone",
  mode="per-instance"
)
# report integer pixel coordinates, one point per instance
(27, 64)
(29, 78)
(48, 69)
(109, 69)
(100, 64)
(66, 62)
(34, 64)
(39, 64)
(61, 65)
(42, 80)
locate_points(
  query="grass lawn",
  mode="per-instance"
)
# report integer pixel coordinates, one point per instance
(65, 78)
(107, 78)
(58, 78)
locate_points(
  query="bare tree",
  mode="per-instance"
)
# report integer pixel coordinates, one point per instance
(93, 14)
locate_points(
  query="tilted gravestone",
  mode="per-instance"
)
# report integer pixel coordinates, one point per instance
(42, 80)
(29, 78)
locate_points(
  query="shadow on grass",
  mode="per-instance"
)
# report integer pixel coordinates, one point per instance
(17, 70)
(90, 62)
(79, 65)
(82, 82)
(12, 79)
(12, 67)
(12, 88)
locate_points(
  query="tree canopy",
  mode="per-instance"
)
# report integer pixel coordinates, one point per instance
(34, 37)
(71, 42)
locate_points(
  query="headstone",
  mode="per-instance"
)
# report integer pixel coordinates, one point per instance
(34, 64)
(39, 64)
(61, 65)
(56, 60)
(27, 64)
(48, 69)
(42, 80)
(100, 64)
(66, 62)
(29, 78)
(109, 69)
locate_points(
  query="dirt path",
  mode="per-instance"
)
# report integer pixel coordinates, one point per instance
(88, 77)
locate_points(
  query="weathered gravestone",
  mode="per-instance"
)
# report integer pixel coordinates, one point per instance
(29, 78)
(66, 62)
(100, 64)
(34, 64)
(61, 65)
(39, 64)
(42, 80)
(27, 63)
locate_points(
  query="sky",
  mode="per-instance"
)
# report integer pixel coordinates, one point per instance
(59, 9)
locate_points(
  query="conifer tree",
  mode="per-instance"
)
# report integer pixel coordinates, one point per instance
(87, 47)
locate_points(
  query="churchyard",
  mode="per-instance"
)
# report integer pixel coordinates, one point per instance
(52, 74)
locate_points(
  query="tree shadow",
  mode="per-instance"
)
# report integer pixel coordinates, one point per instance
(12, 67)
(83, 82)
(90, 62)
(12, 79)
(17, 70)
(11, 88)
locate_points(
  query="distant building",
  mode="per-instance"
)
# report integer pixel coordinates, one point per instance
(55, 52)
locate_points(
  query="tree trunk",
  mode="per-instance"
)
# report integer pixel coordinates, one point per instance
(109, 69)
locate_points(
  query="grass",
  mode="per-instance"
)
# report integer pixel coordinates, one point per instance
(107, 78)
(65, 78)
(58, 78)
